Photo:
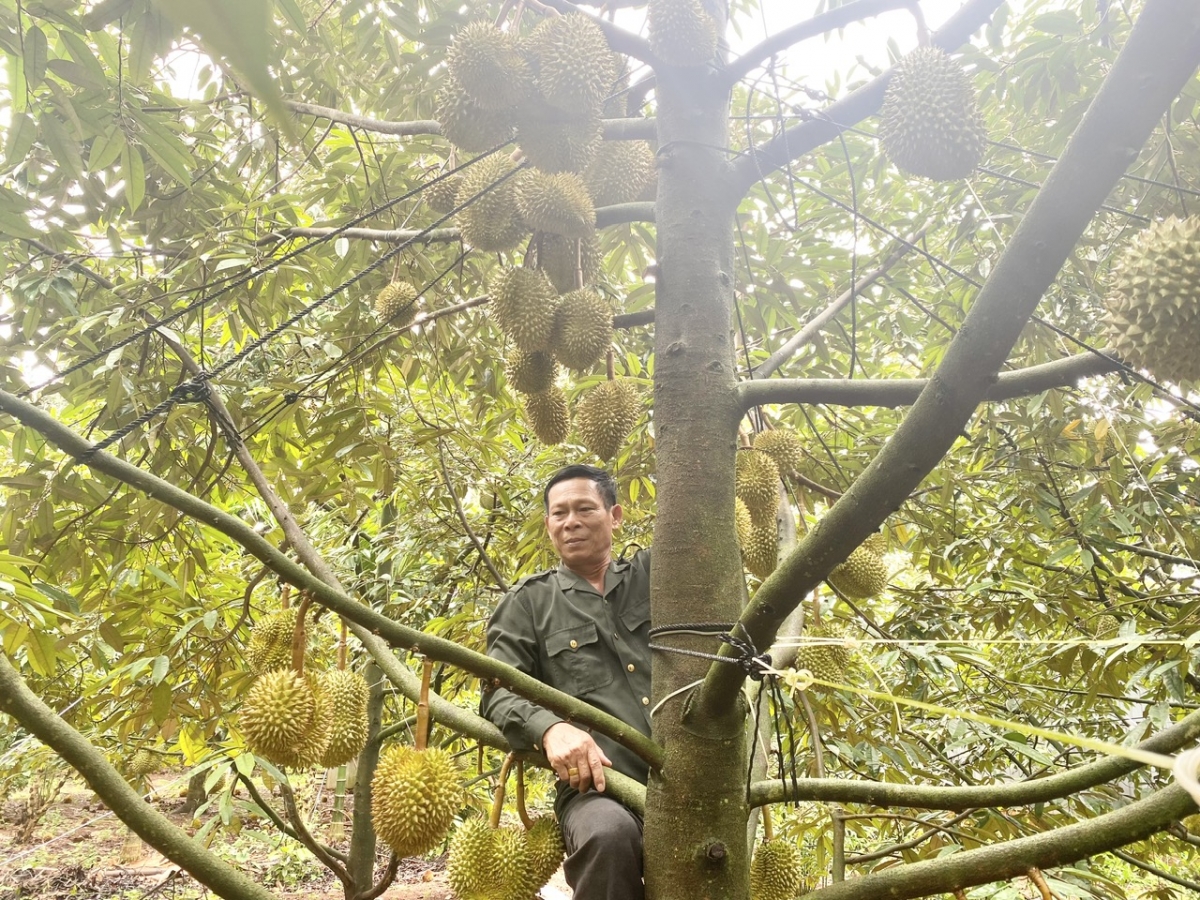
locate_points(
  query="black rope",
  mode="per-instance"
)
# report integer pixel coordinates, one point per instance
(748, 659)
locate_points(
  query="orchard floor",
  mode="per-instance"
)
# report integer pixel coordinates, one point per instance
(79, 851)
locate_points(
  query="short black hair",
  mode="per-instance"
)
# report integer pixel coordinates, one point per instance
(605, 483)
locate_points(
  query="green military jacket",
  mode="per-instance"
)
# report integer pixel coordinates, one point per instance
(557, 628)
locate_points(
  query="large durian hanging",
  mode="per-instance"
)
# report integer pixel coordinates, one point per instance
(396, 303)
(583, 329)
(575, 63)
(465, 124)
(742, 522)
(555, 141)
(415, 795)
(1153, 311)
(545, 851)
(556, 203)
(783, 446)
(440, 195)
(469, 866)
(929, 123)
(863, 574)
(270, 643)
(285, 718)
(524, 305)
(347, 694)
(490, 67)
(760, 552)
(531, 372)
(682, 33)
(776, 871)
(826, 657)
(490, 220)
(562, 259)
(548, 415)
(606, 415)
(756, 481)
(619, 172)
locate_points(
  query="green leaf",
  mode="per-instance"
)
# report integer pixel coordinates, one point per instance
(159, 671)
(134, 174)
(106, 148)
(21, 134)
(160, 702)
(36, 54)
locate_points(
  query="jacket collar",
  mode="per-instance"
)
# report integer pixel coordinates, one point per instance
(568, 580)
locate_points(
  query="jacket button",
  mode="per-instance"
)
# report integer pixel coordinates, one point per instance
(630, 667)
(645, 701)
(574, 644)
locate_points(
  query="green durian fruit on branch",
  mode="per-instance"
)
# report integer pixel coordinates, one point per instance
(396, 304)
(783, 446)
(929, 123)
(415, 795)
(776, 872)
(760, 552)
(583, 329)
(619, 172)
(1152, 318)
(606, 415)
(523, 305)
(465, 124)
(531, 372)
(270, 644)
(488, 64)
(490, 221)
(576, 67)
(756, 481)
(347, 694)
(549, 416)
(682, 33)
(562, 258)
(863, 574)
(285, 718)
(826, 660)
(557, 203)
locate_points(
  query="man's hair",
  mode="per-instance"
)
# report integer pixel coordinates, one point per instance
(605, 483)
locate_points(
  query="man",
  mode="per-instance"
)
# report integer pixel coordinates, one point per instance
(582, 628)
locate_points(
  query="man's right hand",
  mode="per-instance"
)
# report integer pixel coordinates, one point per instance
(575, 756)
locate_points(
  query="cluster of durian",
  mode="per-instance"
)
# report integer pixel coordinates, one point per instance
(1152, 319)
(864, 573)
(415, 795)
(503, 863)
(775, 453)
(929, 122)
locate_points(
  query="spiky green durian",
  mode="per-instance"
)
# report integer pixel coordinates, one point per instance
(606, 415)
(826, 658)
(548, 415)
(490, 220)
(862, 575)
(556, 203)
(279, 715)
(575, 63)
(929, 124)
(415, 795)
(396, 304)
(876, 543)
(465, 124)
(270, 644)
(583, 329)
(756, 481)
(775, 871)
(531, 372)
(616, 100)
(1153, 315)
(439, 195)
(511, 864)
(559, 257)
(682, 33)
(524, 304)
(742, 522)
(555, 141)
(760, 552)
(143, 763)
(544, 842)
(308, 752)
(347, 694)
(1106, 626)
(783, 446)
(488, 64)
(619, 172)
(469, 866)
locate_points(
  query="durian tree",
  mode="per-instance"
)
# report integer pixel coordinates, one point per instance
(297, 269)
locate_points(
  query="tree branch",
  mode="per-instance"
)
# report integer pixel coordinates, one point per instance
(1010, 859)
(895, 392)
(807, 136)
(494, 673)
(304, 836)
(144, 820)
(822, 24)
(1023, 793)
(462, 518)
(1158, 59)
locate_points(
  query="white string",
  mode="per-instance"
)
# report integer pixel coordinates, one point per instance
(853, 643)
(686, 687)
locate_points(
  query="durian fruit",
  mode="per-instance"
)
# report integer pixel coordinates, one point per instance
(682, 33)
(783, 446)
(1153, 317)
(490, 220)
(606, 415)
(346, 693)
(575, 63)
(756, 481)
(616, 102)
(556, 203)
(465, 124)
(396, 303)
(270, 644)
(929, 124)
(469, 866)
(524, 304)
(143, 763)
(876, 543)
(862, 575)
(548, 415)
(531, 372)
(490, 67)
(827, 661)
(560, 257)
(583, 329)
(555, 141)
(619, 172)
(1106, 626)
(308, 753)
(1192, 824)
(775, 871)
(279, 716)
(440, 195)
(415, 795)
(544, 842)
(742, 522)
(511, 864)
(760, 553)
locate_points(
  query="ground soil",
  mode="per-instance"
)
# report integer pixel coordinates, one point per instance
(80, 851)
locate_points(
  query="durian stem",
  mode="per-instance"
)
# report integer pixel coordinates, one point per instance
(284, 595)
(521, 810)
(744, 440)
(768, 825)
(498, 796)
(578, 264)
(816, 608)
(922, 27)
(1035, 875)
(299, 639)
(609, 366)
(423, 705)
(341, 663)
(505, 8)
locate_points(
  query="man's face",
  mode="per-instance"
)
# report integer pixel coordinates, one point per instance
(579, 526)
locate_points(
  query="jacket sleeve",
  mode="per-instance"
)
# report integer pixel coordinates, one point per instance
(511, 639)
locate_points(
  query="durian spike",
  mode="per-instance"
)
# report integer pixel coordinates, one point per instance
(768, 825)
(342, 647)
(498, 796)
(298, 636)
(423, 706)
(521, 810)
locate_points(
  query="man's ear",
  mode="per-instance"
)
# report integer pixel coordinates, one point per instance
(617, 514)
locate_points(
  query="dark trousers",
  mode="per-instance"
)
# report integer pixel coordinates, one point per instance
(604, 848)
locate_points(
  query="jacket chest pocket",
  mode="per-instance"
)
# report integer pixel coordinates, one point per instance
(577, 659)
